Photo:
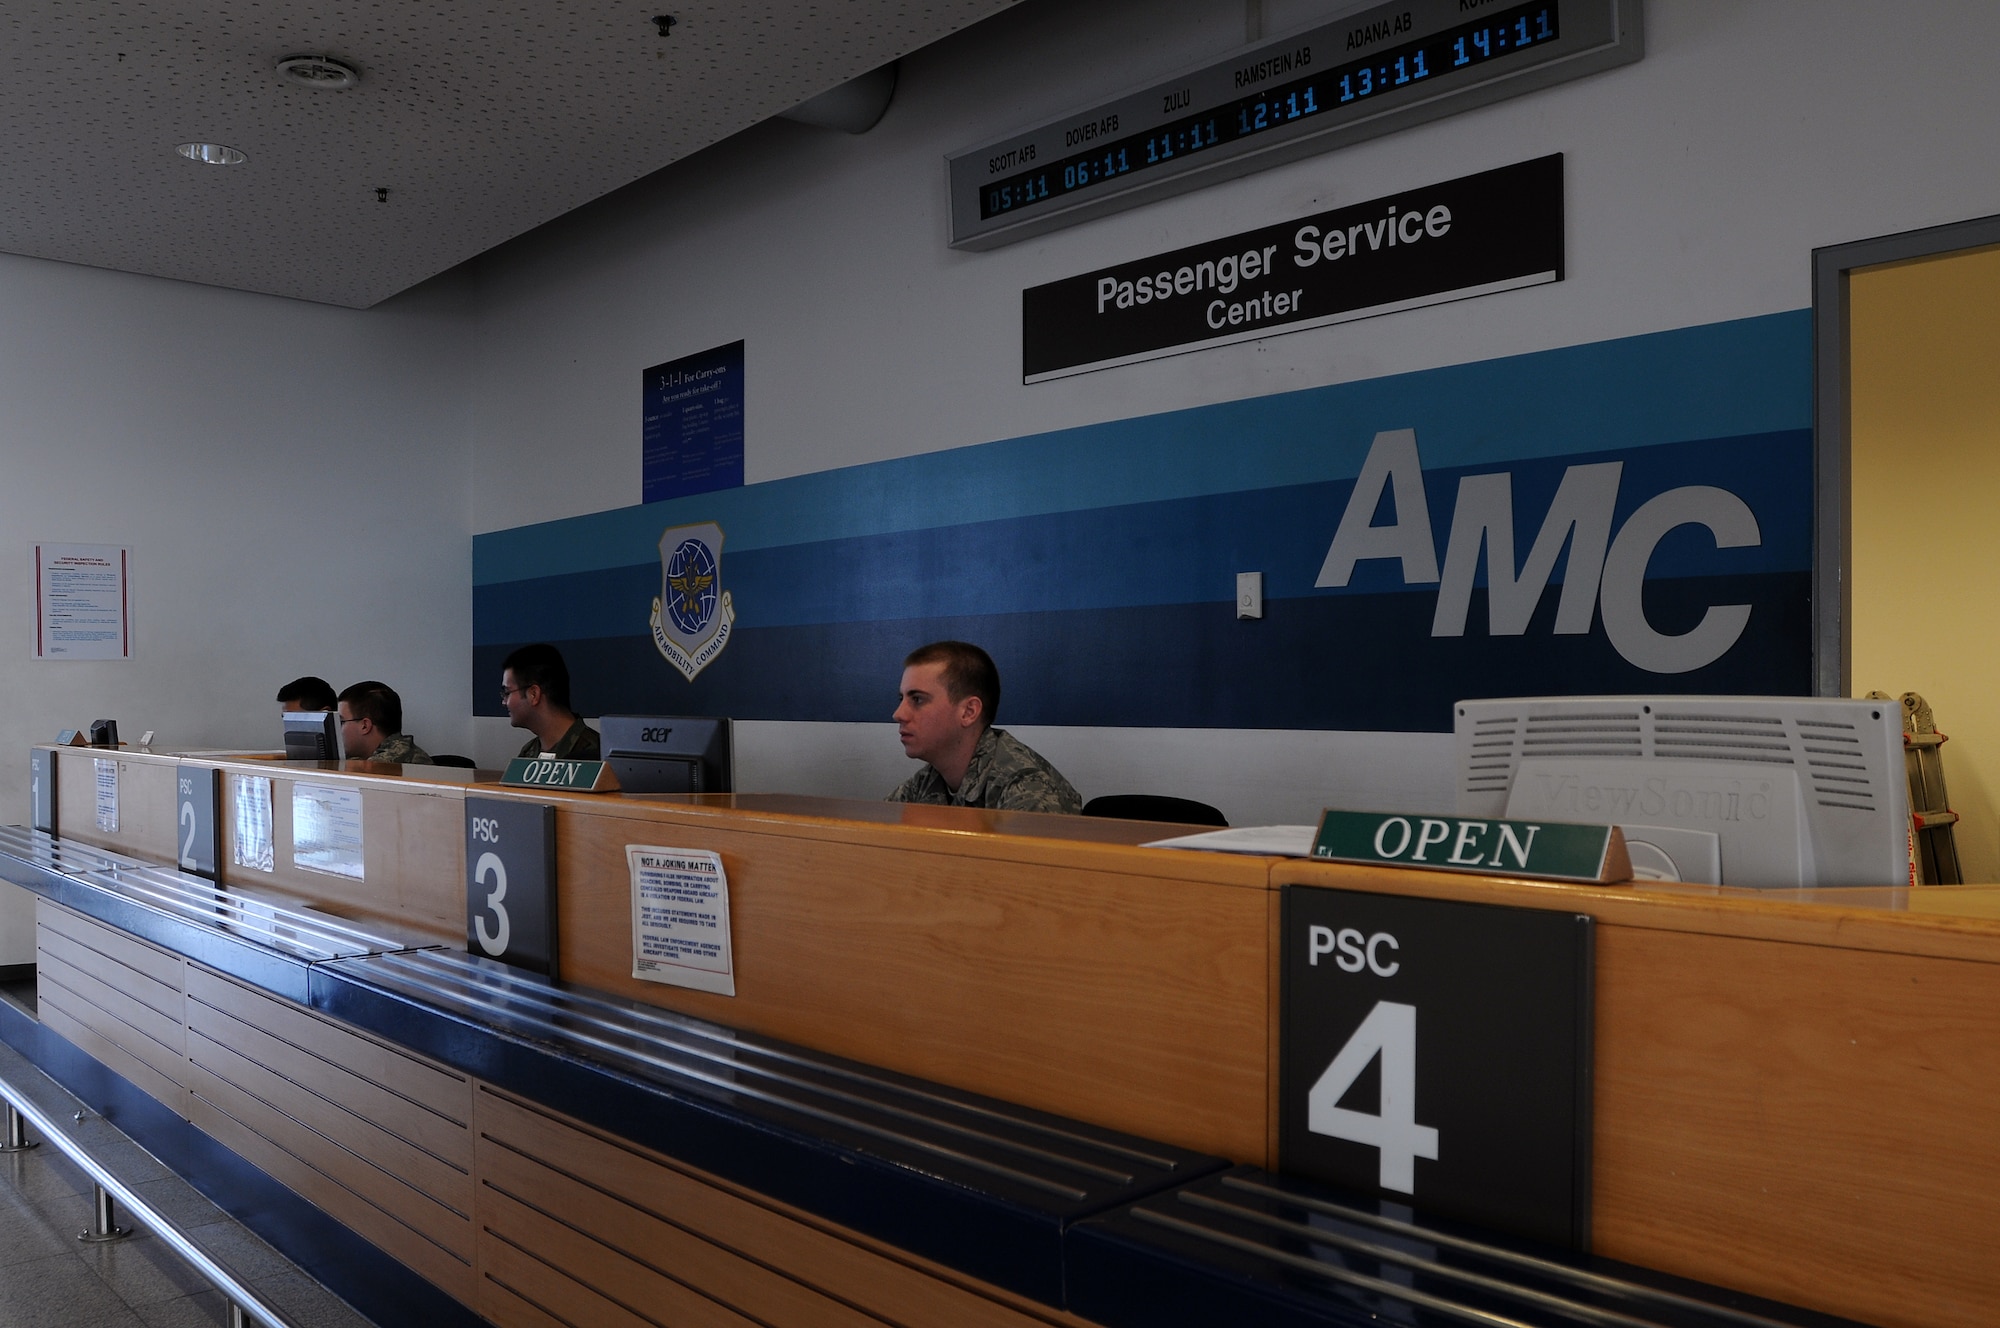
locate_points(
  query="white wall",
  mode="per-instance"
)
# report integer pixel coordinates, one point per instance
(1699, 181)
(290, 479)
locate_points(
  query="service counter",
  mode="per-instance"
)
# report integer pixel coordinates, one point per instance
(1792, 1095)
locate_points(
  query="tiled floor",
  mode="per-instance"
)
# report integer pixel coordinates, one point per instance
(50, 1279)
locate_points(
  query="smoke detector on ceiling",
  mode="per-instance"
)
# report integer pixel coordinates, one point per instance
(318, 71)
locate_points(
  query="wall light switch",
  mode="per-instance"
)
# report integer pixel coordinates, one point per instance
(1249, 594)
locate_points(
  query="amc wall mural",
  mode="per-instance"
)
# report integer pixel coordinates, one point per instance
(1625, 516)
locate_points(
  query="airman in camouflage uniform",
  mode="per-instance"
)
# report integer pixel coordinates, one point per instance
(944, 718)
(371, 726)
(1005, 774)
(534, 687)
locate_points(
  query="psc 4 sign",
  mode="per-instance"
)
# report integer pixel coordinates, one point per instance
(1438, 1053)
(1387, 1034)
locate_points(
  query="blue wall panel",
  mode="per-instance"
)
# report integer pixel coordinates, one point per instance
(1099, 564)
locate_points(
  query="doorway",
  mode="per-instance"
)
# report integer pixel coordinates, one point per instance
(1912, 445)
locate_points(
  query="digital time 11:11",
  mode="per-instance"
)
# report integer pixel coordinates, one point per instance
(1466, 46)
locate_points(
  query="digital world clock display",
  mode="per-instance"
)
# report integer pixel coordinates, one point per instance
(1366, 74)
(1510, 32)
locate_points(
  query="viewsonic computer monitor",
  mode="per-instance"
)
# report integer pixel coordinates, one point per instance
(668, 753)
(1770, 792)
(312, 735)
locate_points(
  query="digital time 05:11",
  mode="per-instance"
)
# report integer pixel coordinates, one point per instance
(1467, 46)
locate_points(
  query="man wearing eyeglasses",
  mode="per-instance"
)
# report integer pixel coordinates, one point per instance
(371, 726)
(534, 686)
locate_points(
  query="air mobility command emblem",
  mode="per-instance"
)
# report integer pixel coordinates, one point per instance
(693, 616)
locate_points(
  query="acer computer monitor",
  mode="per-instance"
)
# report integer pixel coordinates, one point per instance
(312, 735)
(669, 753)
(1770, 792)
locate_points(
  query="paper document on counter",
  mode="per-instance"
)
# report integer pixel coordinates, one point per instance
(1274, 841)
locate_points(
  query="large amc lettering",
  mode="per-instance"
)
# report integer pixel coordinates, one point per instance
(1603, 572)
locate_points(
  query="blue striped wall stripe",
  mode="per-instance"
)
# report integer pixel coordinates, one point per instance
(1099, 564)
(1748, 376)
(1335, 662)
(1184, 550)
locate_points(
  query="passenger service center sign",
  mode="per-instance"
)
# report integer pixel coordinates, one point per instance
(1495, 231)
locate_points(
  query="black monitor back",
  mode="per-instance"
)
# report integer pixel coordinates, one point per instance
(669, 753)
(312, 735)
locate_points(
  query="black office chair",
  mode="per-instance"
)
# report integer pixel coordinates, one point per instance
(1154, 807)
(462, 762)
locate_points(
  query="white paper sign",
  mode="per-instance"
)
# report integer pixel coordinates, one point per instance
(680, 918)
(326, 829)
(107, 795)
(250, 810)
(83, 602)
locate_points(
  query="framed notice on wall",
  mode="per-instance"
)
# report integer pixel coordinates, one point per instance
(83, 601)
(693, 416)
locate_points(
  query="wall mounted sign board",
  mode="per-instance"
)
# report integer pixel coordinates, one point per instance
(83, 601)
(326, 829)
(1495, 231)
(693, 430)
(105, 792)
(1357, 77)
(510, 882)
(197, 817)
(1439, 1054)
(251, 841)
(42, 790)
(1550, 850)
(680, 918)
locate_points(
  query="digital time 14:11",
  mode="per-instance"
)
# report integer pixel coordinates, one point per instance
(1469, 45)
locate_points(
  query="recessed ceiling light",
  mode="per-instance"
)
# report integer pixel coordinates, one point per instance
(318, 71)
(214, 154)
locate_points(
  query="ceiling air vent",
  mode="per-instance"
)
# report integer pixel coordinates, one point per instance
(318, 71)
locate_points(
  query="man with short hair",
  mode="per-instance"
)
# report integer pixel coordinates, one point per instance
(950, 693)
(371, 726)
(534, 686)
(307, 693)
